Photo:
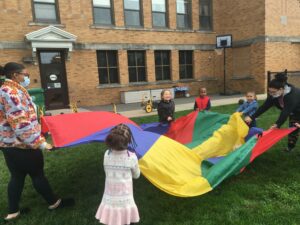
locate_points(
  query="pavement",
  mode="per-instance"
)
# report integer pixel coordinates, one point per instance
(135, 109)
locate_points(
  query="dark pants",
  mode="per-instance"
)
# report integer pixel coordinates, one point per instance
(293, 137)
(21, 162)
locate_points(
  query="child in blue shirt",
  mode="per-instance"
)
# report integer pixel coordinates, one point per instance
(249, 107)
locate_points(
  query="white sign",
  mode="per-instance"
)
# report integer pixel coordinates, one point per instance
(57, 85)
(53, 77)
(224, 41)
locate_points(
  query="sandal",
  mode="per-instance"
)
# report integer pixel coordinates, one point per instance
(62, 203)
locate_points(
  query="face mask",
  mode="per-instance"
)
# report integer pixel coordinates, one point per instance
(26, 82)
(277, 95)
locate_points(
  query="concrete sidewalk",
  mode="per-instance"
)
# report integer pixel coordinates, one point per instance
(135, 109)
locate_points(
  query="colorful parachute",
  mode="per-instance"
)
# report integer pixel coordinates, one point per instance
(195, 154)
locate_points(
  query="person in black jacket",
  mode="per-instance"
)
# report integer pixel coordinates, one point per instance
(285, 97)
(166, 107)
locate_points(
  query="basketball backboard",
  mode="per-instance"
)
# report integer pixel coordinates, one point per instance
(224, 41)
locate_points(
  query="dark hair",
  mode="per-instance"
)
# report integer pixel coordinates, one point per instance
(1, 71)
(1, 75)
(119, 138)
(279, 81)
(11, 68)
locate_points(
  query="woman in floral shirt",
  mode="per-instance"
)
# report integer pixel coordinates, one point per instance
(21, 141)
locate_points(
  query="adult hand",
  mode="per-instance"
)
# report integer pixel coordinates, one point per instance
(297, 125)
(248, 119)
(169, 118)
(274, 126)
(48, 147)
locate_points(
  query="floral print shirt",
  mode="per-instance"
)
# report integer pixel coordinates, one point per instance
(19, 126)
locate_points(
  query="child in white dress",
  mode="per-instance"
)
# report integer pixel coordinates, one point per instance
(118, 206)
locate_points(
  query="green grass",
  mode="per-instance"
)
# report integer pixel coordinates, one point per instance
(265, 193)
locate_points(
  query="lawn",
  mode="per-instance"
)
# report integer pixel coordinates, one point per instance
(265, 193)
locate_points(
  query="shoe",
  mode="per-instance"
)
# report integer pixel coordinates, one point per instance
(14, 216)
(11, 217)
(288, 149)
(62, 203)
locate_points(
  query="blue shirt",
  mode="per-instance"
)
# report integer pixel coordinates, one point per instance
(248, 108)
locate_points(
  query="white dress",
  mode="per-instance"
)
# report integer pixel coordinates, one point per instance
(117, 206)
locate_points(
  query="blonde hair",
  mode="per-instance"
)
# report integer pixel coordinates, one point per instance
(252, 92)
(163, 92)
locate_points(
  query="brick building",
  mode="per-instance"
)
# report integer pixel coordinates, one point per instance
(91, 51)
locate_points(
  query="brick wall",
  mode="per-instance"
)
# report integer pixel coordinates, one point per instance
(282, 17)
(246, 65)
(242, 18)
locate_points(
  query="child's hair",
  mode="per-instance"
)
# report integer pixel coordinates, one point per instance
(119, 138)
(252, 92)
(279, 81)
(241, 101)
(202, 88)
(163, 92)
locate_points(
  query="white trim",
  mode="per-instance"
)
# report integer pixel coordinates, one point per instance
(36, 35)
(50, 38)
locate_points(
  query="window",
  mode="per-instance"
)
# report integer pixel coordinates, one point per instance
(136, 66)
(103, 12)
(159, 13)
(185, 64)
(162, 65)
(45, 11)
(108, 67)
(132, 11)
(205, 14)
(184, 14)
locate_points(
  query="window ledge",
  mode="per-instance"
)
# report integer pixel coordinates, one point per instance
(208, 79)
(247, 77)
(207, 31)
(160, 82)
(46, 24)
(133, 84)
(154, 29)
(187, 80)
(104, 86)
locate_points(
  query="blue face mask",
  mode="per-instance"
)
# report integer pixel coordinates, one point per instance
(26, 82)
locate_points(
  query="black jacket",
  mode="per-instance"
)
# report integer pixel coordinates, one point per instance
(291, 102)
(165, 109)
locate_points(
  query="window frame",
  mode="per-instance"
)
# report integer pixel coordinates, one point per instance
(57, 21)
(107, 67)
(185, 65)
(162, 65)
(136, 65)
(210, 16)
(112, 13)
(188, 14)
(141, 14)
(166, 15)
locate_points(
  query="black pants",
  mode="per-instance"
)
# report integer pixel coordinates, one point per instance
(293, 137)
(21, 162)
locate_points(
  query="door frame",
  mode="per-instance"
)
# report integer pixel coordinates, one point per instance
(65, 81)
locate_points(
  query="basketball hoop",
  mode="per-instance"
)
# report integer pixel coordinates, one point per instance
(219, 51)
